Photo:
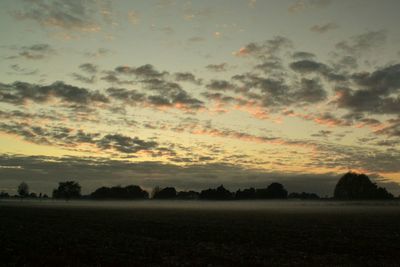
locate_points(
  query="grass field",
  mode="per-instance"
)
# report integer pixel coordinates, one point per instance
(199, 234)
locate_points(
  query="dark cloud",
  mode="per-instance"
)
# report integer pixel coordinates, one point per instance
(378, 92)
(322, 133)
(89, 68)
(171, 94)
(187, 77)
(310, 91)
(84, 79)
(266, 49)
(275, 93)
(71, 139)
(68, 15)
(324, 27)
(33, 52)
(125, 144)
(218, 97)
(143, 72)
(220, 85)
(270, 65)
(17, 69)
(168, 94)
(217, 67)
(60, 136)
(351, 52)
(13, 114)
(310, 66)
(362, 43)
(113, 78)
(159, 90)
(129, 96)
(20, 92)
(303, 55)
(306, 66)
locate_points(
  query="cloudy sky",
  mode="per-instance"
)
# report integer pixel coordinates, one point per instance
(195, 94)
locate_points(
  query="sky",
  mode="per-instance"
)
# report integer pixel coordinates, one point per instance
(194, 94)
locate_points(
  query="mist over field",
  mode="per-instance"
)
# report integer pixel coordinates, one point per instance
(199, 133)
(268, 206)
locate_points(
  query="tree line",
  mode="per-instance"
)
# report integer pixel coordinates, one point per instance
(351, 186)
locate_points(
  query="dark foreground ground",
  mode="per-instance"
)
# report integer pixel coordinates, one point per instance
(324, 234)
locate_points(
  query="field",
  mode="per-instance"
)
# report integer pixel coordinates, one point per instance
(198, 233)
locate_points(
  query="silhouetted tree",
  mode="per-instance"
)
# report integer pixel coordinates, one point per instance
(118, 192)
(273, 191)
(67, 190)
(23, 189)
(359, 186)
(165, 193)
(248, 193)
(4, 195)
(303, 195)
(32, 195)
(220, 193)
(187, 195)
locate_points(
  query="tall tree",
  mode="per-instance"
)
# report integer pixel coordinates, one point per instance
(67, 190)
(23, 189)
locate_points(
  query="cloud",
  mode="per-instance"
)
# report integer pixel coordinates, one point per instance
(84, 79)
(73, 139)
(166, 92)
(220, 85)
(310, 66)
(83, 16)
(145, 71)
(113, 78)
(218, 67)
(303, 55)
(89, 68)
(18, 70)
(363, 42)
(33, 52)
(310, 91)
(170, 95)
(128, 96)
(322, 133)
(378, 92)
(266, 49)
(125, 144)
(19, 93)
(187, 77)
(276, 93)
(324, 27)
(392, 129)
